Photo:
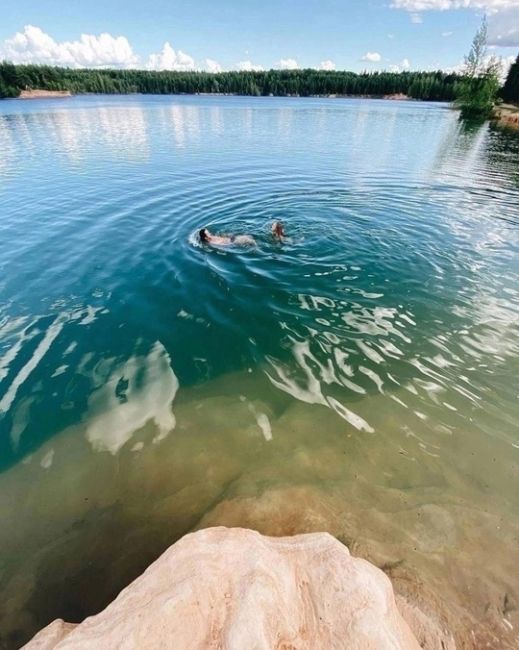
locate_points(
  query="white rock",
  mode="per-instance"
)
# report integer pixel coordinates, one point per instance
(235, 589)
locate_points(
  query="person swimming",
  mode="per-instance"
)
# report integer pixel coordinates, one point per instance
(218, 240)
(278, 230)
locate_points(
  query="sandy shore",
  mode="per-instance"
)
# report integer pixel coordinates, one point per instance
(47, 94)
(44, 94)
(507, 115)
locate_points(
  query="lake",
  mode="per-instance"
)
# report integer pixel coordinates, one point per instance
(359, 377)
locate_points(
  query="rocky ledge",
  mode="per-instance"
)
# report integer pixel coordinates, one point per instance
(233, 588)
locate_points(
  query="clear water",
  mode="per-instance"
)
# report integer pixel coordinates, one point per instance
(360, 377)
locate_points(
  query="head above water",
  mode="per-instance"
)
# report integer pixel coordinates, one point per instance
(204, 235)
(278, 229)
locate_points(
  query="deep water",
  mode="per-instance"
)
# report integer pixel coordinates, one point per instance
(359, 377)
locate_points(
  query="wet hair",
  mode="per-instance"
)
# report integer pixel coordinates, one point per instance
(278, 228)
(202, 233)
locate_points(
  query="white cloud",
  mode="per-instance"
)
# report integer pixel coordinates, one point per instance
(507, 62)
(248, 66)
(503, 21)
(327, 65)
(168, 59)
(503, 28)
(287, 64)
(504, 64)
(372, 57)
(212, 66)
(400, 67)
(33, 45)
(443, 5)
(453, 69)
(391, 36)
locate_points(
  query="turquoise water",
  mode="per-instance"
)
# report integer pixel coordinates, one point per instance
(149, 385)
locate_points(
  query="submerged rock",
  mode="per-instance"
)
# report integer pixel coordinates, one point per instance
(234, 588)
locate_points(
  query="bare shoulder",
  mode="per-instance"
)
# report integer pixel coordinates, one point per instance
(244, 240)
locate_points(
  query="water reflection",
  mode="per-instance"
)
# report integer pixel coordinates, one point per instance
(183, 123)
(364, 367)
(216, 117)
(121, 132)
(6, 147)
(139, 391)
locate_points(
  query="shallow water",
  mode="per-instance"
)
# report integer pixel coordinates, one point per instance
(360, 377)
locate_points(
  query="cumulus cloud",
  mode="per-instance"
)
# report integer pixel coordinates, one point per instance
(248, 66)
(372, 57)
(400, 67)
(212, 66)
(327, 65)
(416, 19)
(507, 62)
(444, 5)
(287, 64)
(503, 21)
(503, 65)
(33, 45)
(168, 59)
(503, 28)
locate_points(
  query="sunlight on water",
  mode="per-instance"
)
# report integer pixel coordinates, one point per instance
(359, 377)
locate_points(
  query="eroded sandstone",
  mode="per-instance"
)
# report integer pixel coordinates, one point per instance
(234, 588)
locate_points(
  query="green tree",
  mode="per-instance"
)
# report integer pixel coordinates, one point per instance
(475, 59)
(510, 91)
(478, 91)
(9, 84)
(419, 85)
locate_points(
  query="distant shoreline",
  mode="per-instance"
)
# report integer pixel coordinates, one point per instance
(43, 94)
(431, 85)
(57, 94)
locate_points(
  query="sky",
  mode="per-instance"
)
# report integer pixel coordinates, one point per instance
(219, 35)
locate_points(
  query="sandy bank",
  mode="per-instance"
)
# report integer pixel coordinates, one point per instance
(234, 588)
(398, 97)
(507, 115)
(394, 96)
(44, 94)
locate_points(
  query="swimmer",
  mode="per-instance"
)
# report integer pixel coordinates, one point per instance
(278, 231)
(217, 240)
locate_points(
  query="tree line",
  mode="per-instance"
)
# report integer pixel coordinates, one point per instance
(510, 92)
(433, 86)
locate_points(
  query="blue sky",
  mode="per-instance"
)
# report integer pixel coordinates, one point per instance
(227, 34)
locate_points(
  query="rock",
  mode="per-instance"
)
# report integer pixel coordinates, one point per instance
(51, 636)
(234, 589)
(429, 635)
